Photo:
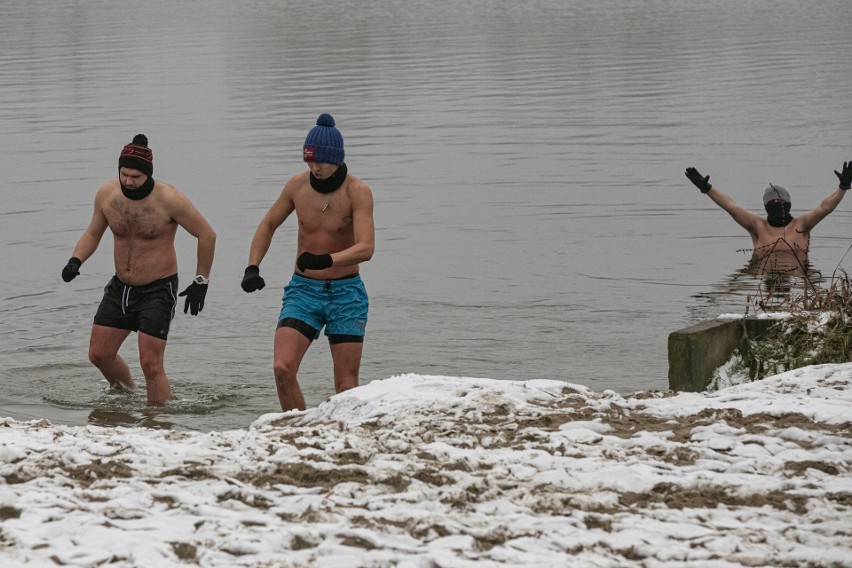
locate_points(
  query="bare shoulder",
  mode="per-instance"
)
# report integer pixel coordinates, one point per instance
(294, 191)
(107, 189)
(296, 183)
(106, 193)
(173, 201)
(357, 189)
(167, 190)
(170, 195)
(800, 224)
(761, 226)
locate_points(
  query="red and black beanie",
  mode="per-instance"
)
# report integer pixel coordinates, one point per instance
(138, 156)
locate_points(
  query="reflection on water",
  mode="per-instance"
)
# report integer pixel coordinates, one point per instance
(770, 282)
(145, 418)
(784, 279)
(781, 263)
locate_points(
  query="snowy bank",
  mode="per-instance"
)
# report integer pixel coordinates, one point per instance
(427, 471)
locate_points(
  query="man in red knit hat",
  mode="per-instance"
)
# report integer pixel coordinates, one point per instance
(143, 216)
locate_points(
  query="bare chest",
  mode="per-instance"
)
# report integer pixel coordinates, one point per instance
(327, 213)
(791, 238)
(137, 219)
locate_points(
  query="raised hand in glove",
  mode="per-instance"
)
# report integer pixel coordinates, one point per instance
(845, 176)
(309, 261)
(252, 280)
(702, 183)
(72, 269)
(195, 294)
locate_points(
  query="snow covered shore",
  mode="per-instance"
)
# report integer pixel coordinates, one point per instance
(429, 471)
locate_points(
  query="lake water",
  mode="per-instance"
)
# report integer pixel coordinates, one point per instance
(526, 158)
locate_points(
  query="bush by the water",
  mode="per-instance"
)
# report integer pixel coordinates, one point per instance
(817, 330)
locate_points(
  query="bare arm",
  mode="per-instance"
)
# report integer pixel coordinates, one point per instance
(810, 219)
(363, 227)
(277, 214)
(746, 219)
(187, 216)
(88, 243)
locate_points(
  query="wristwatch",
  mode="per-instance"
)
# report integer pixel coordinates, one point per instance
(199, 279)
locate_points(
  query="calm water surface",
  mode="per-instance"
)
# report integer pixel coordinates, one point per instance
(532, 216)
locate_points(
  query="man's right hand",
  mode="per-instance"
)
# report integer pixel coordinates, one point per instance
(702, 183)
(72, 269)
(252, 280)
(845, 176)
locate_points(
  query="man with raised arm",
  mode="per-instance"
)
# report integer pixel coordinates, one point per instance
(143, 216)
(779, 232)
(334, 212)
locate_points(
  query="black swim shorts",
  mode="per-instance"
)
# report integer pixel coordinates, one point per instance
(148, 309)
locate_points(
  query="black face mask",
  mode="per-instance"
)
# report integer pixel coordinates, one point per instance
(778, 213)
(140, 192)
(333, 182)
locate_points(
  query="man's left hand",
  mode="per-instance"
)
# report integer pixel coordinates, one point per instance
(195, 294)
(308, 261)
(845, 176)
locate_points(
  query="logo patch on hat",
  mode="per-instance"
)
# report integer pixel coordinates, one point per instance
(309, 154)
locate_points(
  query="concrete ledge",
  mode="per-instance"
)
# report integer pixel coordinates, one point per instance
(696, 352)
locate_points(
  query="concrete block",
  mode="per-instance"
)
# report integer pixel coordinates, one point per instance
(696, 352)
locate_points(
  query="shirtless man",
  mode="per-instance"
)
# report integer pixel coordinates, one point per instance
(143, 216)
(334, 211)
(779, 232)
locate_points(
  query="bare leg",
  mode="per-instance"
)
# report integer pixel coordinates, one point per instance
(152, 351)
(104, 344)
(290, 349)
(347, 364)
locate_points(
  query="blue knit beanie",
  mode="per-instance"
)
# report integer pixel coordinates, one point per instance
(324, 143)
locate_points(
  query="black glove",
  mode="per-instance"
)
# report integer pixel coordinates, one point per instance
(195, 294)
(252, 280)
(702, 183)
(846, 176)
(72, 269)
(308, 261)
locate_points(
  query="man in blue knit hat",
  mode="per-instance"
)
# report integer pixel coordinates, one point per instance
(334, 212)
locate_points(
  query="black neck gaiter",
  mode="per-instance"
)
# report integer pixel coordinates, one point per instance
(333, 182)
(778, 214)
(140, 192)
